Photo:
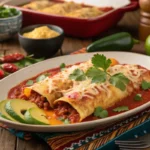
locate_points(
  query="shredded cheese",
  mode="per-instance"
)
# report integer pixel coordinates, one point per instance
(61, 82)
(90, 90)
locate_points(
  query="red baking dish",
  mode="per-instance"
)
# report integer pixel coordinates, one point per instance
(83, 28)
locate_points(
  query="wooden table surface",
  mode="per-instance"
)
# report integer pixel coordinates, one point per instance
(128, 23)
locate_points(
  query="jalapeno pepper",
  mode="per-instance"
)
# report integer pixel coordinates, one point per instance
(147, 45)
(122, 41)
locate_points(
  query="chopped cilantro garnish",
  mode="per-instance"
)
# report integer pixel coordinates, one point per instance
(65, 121)
(96, 74)
(145, 85)
(100, 112)
(100, 61)
(121, 108)
(29, 82)
(119, 80)
(77, 75)
(40, 78)
(138, 97)
(62, 66)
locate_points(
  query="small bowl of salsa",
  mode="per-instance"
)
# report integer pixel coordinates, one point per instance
(41, 40)
(10, 22)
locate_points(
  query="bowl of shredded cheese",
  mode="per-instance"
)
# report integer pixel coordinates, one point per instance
(41, 40)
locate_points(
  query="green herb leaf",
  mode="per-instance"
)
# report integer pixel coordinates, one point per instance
(119, 80)
(100, 112)
(145, 85)
(77, 75)
(100, 61)
(62, 66)
(40, 78)
(65, 121)
(6, 12)
(121, 108)
(97, 75)
(47, 74)
(29, 82)
(138, 97)
(27, 61)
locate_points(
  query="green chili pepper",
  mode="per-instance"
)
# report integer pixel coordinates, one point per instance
(147, 45)
(117, 42)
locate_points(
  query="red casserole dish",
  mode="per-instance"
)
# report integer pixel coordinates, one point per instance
(77, 27)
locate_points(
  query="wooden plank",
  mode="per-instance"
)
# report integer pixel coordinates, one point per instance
(73, 44)
(7, 140)
(11, 46)
(34, 144)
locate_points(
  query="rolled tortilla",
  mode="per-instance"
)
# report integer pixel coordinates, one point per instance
(104, 95)
(52, 87)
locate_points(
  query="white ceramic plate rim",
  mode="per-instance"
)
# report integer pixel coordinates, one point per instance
(125, 57)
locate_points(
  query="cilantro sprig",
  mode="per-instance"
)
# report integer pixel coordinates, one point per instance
(65, 121)
(119, 80)
(28, 60)
(98, 73)
(100, 112)
(145, 85)
(100, 61)
(138, 97)
(121, 108)
(29, 82)
(62, 66)
(77, 75)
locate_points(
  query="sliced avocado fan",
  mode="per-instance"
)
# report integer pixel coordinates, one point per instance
(36, 115)
(17, 107)
(3, 112)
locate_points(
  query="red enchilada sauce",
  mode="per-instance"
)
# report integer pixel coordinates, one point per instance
(64, 110)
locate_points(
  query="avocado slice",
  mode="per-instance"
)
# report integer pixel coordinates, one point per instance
(17, 107)
(3, 112)
(36, 115)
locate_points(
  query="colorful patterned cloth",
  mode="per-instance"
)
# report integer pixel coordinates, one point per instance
(85, 140)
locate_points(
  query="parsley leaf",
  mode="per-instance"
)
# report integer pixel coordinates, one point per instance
(96, 74)
(77, 75)
(119, 80)
(121, 108)
(145, 85)
(100, 112)
(62, 66)
(29, 82)
(100, 61)
(138, 97)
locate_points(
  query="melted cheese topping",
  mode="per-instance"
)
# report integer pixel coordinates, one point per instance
(61, 80)
(90, 90)
(132, 72)
(80, 89)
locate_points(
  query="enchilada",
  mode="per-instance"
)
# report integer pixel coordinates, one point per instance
(82, 88)
(81, 101)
